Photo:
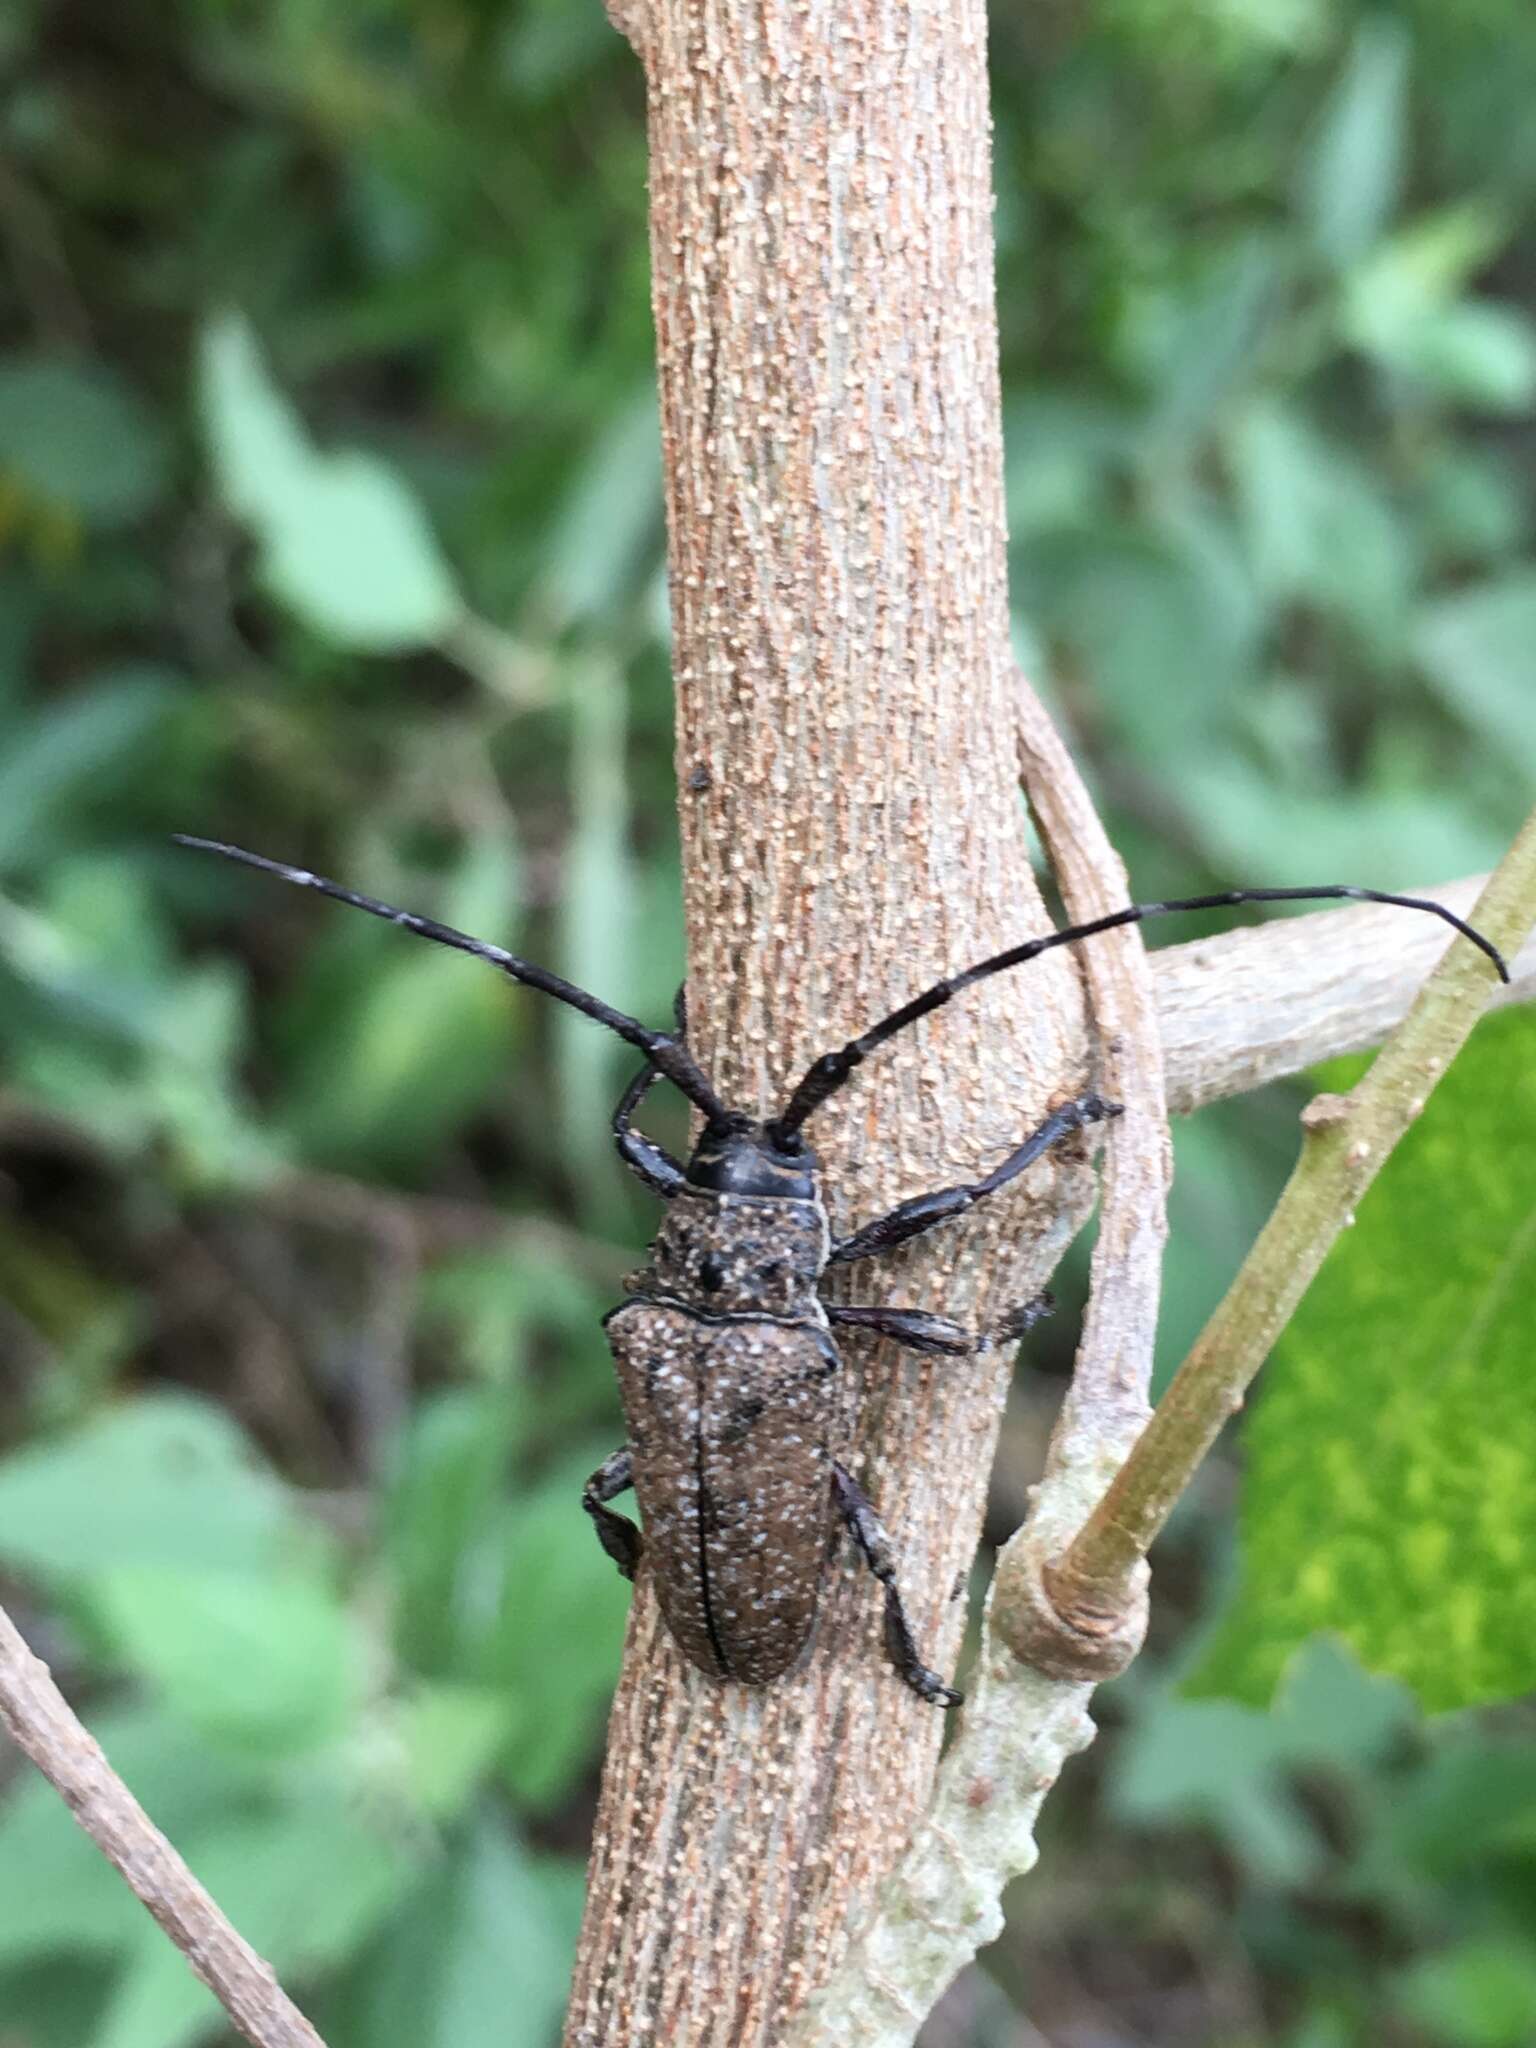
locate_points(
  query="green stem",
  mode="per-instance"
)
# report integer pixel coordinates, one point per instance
(1346, 1143)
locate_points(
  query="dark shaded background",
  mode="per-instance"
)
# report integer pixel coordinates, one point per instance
(305, 1231)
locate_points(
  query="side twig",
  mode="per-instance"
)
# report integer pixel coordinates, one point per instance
(1271, 999)
(34, 1714)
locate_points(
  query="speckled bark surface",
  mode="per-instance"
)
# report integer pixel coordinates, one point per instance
(821, 216)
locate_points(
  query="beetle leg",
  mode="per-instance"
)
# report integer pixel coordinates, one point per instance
(939, 1336)
(867, 1530)
(911, 1218)
(617, 1534)
(647, 1160)
(936, 1336)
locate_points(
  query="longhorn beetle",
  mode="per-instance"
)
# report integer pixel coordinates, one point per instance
(724, 1349)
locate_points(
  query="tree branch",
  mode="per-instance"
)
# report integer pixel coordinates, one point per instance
(822, 277)
(1107, 1401)
(1270, 999)
(34, 1714)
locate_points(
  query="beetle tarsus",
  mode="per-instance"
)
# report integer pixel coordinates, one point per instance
(1018, 1322)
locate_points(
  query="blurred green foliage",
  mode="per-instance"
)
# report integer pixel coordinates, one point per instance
(330, 522)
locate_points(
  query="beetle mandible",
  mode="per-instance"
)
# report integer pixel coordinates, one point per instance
(724, 1348)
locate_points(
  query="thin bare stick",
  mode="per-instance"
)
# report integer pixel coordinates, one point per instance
(1107, 1402)
(1114, 1365)
(1271, 999)
(35, 1715)
(1347, 1141)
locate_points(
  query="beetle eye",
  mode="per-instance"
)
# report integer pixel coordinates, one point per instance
(711, 1273)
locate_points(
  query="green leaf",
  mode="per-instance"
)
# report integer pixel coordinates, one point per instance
(55, 2004)
(394, 1043)
(1479, 649)
(1249, 828)
(158, 1482)
(166, 1073)
(1477, 352)
(1214, 1762)
(1330, 1710)
(1406, 308)
(612, 519)
(93, 949)
(1350, 178)
(1199, 346)
(265, 1664)
(597, 912)
(1223, 1188)
(1063, 450)
(1149, 619)
(546, 44)
(1318, 526)
(450, 1734)
(419, 1044)
(56, 759)
(1428, 263)
(437, 1519)
(1391, 1485)
(75, 436)
(560, 1678)
(344, 544)
(479, 1959)
(1479, 1994)
(1230, 1766)
(57, 1891)
(1470, 504)
(1471, 1802)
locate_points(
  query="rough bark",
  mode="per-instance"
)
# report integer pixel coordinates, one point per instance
(821, 242)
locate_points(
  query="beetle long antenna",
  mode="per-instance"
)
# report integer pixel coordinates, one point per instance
(833, 1068)
(660, 1047)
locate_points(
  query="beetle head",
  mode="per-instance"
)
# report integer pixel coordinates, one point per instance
(743, 1160)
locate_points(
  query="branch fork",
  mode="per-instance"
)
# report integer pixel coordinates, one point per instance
(1055, 1601)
